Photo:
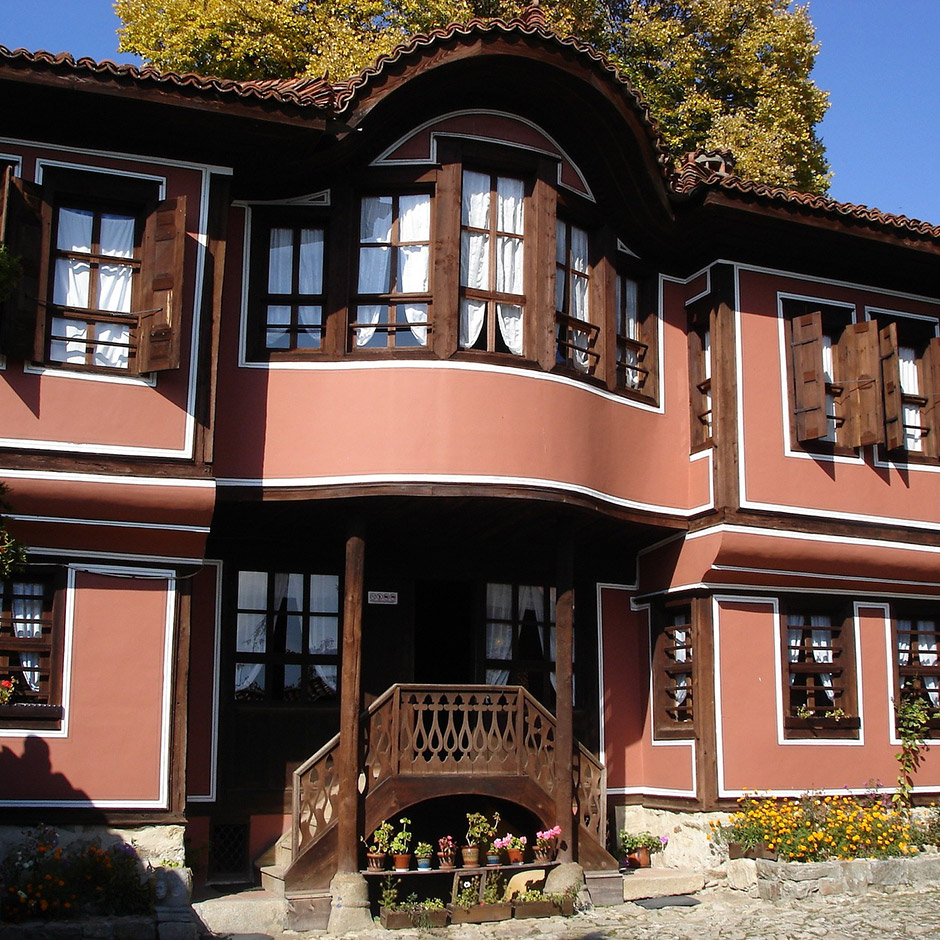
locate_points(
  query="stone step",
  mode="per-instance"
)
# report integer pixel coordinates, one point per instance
(641, 883)
(272, 879)
(249, 912)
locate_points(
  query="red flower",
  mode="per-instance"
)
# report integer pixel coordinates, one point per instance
(6, 684)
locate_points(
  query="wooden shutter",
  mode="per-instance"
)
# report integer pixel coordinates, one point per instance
(931, 413)
(161, 295)
(21, 230)
(858, 352)
(891, 387)
(809, 381)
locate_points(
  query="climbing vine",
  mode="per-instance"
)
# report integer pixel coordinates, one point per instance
(913, 717)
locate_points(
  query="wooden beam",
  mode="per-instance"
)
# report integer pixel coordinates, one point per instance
(564, 722)
(349, 706)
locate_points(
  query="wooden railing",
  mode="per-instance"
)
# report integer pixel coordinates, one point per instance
(421, 730)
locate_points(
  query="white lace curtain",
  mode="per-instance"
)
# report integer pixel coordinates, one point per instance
(27, 625)
(926, 633)
(820, 641)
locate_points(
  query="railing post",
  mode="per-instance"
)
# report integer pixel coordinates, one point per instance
(522, 756)
(349, 706)
(564, 722)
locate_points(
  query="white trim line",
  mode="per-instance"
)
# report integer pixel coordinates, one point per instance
(112, 523)
(70, 477)
(457, 478)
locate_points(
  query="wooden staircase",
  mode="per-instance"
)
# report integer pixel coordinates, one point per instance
(423, 742)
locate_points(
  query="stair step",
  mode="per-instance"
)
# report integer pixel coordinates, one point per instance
(251, 912)
(643, 883)
(606, 887)
(272, 879)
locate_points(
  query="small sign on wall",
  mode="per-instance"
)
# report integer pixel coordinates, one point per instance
(382, 597)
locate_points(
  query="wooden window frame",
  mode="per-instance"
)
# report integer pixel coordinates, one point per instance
(567, 327)
(842, 669)
(672, 718)
(701, 332)
(394, 298)
(908, 676)
(30, 215)
(275, 657)
(645, 347)
(262, 224)
(894, 333)
(42, 709)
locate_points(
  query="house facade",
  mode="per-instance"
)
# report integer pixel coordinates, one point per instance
(426, 437)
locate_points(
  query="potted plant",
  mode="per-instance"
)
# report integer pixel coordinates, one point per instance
(447, 852)
(473, 906)
(377, 849)
(546, 844)
(400, 845)
(638, 847)
(513, 846)
(423, 852)
(395, 915)
(480, 831)
(533, 903)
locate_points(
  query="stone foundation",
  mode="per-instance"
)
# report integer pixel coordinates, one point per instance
(155, 844)
(689, 845)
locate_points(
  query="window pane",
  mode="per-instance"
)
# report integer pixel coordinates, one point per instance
(311, 261)
(374, 270)
(252, 590)
(413, 269)
(293, 591)
(294, 635)
(323, 682)
(368, 335)
(509, 318)
(71, 282)
(71, 348)
(474, 260)
(249, 681)
(472, 316)
(250, 634)
(293, 678)
(561, 242)
(277, 316)
(375, 224)
(417, 316)
(509, 203)
(499, 641)
(324, 636)
(114, 287)
(75, 230)
(280, 261)
(324, 593)
(499, 602)
(579, 250)
(475, 203)
(112, 342)
(414, 218)
(509, 265)
(309, 317)
(117, 235)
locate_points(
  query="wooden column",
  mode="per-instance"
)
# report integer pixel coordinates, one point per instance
(347, 850)
(564, 724)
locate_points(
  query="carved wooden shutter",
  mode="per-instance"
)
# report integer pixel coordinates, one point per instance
(860, 356)
(891, 387)
(161, 295)
(809, 381)
(21, 230)
(931, 412)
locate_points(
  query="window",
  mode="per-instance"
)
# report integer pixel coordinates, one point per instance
(700, 375)
(576, 334)
(112, 299)
(917, 673)
(833, 376)
(286, 637)
(520, 638)
(393, 299)
(672, 651)
(819, 690)
(293, 301)
(30, 646)
(492, 257)
(910, 360)
(631, 352)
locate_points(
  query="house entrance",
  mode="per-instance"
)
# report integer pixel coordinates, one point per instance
(445, 651)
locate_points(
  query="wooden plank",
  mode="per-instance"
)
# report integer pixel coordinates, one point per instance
(180, 720)
(706, 717)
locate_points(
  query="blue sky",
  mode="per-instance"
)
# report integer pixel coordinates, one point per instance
(878, 61)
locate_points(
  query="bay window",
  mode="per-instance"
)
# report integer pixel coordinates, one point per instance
(393, 299)
(293, 302)
(492, 257)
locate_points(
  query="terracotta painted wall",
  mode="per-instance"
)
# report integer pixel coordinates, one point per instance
(636, 762)
(775, 478)
(752, 753)
(112, 750)
(203, 697)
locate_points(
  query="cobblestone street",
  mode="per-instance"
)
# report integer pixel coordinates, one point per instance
(724, 914)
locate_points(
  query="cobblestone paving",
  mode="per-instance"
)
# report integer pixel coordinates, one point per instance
(722, 915)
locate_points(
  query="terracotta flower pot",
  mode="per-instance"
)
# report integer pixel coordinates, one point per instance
(375, 861)
(402, 862)
(470, 855)
(446, 860)
(639, 857)
(514, 856)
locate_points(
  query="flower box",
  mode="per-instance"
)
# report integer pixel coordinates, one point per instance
(480, 913)
(404, 920)
(544, 908)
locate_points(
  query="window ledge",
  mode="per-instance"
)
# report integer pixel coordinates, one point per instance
(822, 727)
(33, 716)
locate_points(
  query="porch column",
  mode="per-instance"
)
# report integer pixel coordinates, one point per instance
(564, 724)
(347, 852)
